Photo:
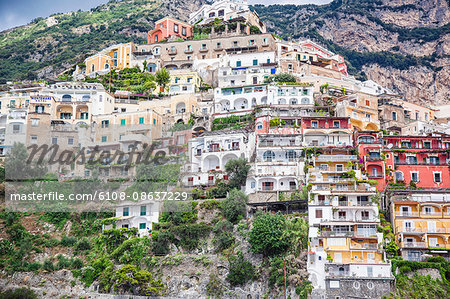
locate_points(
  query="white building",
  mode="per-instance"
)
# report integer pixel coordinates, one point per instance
(226, 10)
(278, 164)
(246, 69)
(209, 153)
(140, 215)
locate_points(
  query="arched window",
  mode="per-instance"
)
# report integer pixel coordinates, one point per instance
(106, 66)
(291, 155)
(67, 97)
(259, 126)
(305, 101)
(268, 156)
(399, 176)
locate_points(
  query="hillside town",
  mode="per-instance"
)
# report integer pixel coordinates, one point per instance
(369, 168)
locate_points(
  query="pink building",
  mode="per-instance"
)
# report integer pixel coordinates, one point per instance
(167, 27)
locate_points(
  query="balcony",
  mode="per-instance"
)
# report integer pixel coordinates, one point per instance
(203, 50)
(327, 234)
(368, 246)
(336, 158)
(413, 245)
(218, 49)
(173, 51)
(406, 214)
(188, 51)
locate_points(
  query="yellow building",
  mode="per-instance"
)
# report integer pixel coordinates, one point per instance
(184, 81)
(362, 109)
(421, 223)
(114, 57)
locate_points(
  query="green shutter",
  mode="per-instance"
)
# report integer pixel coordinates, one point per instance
(142, 226)
(122, 122)
(141, 120)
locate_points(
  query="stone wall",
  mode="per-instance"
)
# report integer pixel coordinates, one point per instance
(359, 288)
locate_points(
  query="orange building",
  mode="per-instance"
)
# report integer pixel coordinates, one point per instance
(421, 222)
(167, 27)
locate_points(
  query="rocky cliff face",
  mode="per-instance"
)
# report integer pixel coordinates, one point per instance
(414, 35)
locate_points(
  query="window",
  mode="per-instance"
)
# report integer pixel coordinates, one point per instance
(235, 43)
(34, 122)
(437, 177)
(122, 122)
(318, 213)
(175, 28)
(356, 285)
(183, 31)
(255, 61)
(143, 210)
(415, 176)
(126, 212)
(259, 126)
(141, 120)
(54, 140)
(39, 109)
(399, 176)
(428, 210)
(394, 115)
(264, 41)
(105, 123)
(365, 215)
(70, 141)
(367, 103)
(335, 124)
(34, 139)
(238, 63)
(142, 225)
(156, 40)
(219, 46)
(16, 129)
(427, 144)
(154, 121)
(104, 138)
(314, 124)
(268, 156)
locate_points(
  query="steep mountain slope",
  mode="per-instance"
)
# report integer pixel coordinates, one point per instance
(45, 47)
(401, 44)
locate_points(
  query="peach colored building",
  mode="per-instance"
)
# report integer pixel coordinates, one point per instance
(167, 27)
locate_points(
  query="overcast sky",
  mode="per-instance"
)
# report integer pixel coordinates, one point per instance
(19, 12)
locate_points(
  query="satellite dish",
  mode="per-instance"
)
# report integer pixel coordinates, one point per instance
(390, 145)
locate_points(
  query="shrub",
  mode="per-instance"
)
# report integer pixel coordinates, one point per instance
(68, 241)
(161, 242)
(240, 270)
(237, 170)
(130, 279)
(188, 235)
(268, 235)
(405, 269)
(83, 244)
(48, 265)
(77, 263)
(234, 207)
(52, 242)
(22, 293)
(214, 288)
(224, 238)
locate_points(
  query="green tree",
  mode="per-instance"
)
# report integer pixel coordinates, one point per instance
(269, 235)
(234, 207)
(163, 77)
(241, 270)
(18, 167)
(237, 170)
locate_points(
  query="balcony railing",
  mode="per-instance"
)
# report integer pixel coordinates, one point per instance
(373, 246)
(406, 214)
(413, 245)
(336, 158)
(336, 234)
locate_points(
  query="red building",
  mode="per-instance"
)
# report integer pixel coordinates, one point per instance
(167, 27)
(370, 149)
(424, 160)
